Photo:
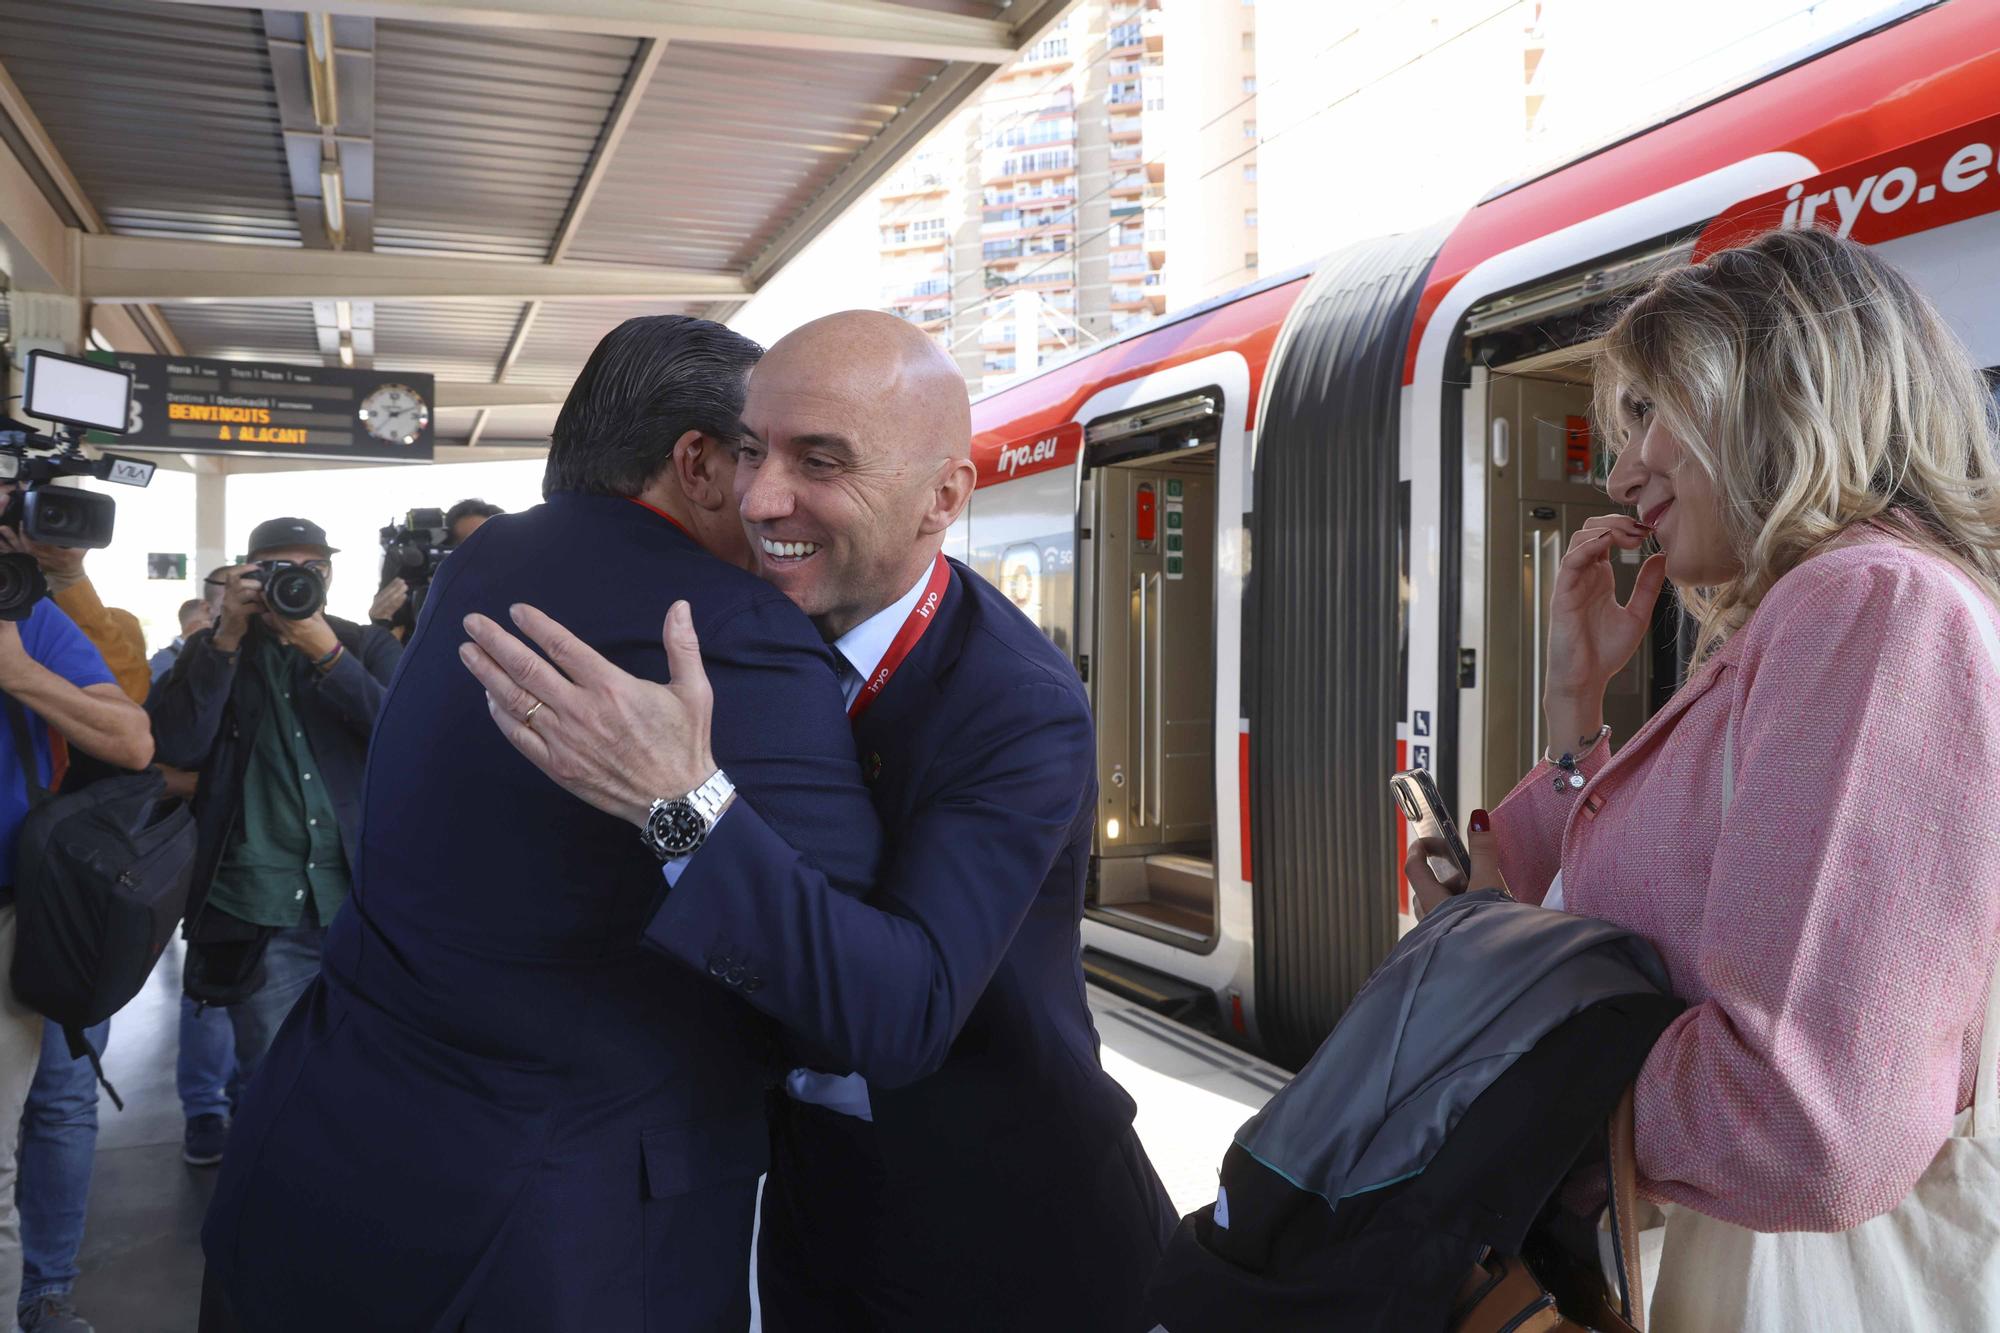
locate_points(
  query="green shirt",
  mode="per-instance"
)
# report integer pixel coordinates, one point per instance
(285, 848)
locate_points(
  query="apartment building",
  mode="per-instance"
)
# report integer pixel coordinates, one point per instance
(1047, 197)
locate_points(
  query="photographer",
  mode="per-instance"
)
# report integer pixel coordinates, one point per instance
(275, 711)
(393, 609)
(53, 674)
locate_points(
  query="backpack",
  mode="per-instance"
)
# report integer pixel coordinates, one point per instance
(1412, 1177)
(101, 878)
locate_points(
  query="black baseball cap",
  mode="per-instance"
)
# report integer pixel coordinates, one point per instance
(275, 532)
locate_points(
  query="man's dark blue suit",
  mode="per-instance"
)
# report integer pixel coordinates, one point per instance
(999, 1185)
(496, 1110)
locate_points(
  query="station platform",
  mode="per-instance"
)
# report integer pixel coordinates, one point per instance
(141, 1259)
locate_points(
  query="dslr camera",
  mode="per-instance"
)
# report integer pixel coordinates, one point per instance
(291, 590)
(412, 551)
(76, 396)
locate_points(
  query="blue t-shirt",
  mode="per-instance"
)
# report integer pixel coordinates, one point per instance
(52, 639)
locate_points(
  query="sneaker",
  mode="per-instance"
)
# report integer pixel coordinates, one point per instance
(207, 1136)
(54, 1314)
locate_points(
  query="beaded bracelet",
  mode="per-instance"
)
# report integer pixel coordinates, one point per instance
(325, 663)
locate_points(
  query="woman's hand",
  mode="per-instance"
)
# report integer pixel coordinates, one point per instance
(1434, 877)
(1592, 636)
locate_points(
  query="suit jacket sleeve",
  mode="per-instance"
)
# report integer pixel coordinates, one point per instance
(781, 733)
(882, 987)
(187, 707)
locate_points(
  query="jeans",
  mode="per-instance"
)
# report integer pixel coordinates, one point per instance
(291, 961)
(58, 1142)
(206, 1066)
(20, 1050)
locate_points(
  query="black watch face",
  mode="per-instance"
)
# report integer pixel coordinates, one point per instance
(676, 829)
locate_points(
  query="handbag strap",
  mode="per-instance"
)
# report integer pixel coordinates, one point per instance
(24, 750)
(1623, 1171)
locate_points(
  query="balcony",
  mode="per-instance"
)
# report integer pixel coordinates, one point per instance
(1126, 127)
(1048, 162)
(927, 290)
(1128, 36)
(920, 183)
(1131, 183)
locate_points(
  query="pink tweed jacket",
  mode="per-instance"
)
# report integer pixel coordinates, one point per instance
(1835, 931)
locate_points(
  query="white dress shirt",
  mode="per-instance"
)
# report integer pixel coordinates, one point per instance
(860, 651)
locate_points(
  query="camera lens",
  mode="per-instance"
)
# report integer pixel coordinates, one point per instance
(294, 592)
(21, 586)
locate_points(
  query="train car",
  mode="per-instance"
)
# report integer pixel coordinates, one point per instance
(1304, 535)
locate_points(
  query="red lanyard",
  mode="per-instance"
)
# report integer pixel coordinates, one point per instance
(921, 616)
(655, 509)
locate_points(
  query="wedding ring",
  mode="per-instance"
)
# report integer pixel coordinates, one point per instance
(529, 720)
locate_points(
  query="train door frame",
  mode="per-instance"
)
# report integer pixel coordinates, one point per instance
(1225, 965)
(1458, 518)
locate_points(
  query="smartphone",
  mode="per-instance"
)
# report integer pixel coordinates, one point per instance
(1421, 804)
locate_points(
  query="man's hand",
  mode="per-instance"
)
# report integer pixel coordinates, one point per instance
(311, 636)
(62, 566)
(242, 599)
(605, 735)
(394, 595)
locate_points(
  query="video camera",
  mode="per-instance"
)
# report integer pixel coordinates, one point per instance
(412, 551)
(76, 395)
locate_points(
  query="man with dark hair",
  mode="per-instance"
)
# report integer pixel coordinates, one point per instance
(463, 519)
(496, 1109)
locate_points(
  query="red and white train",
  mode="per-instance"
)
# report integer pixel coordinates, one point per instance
(1303, 535)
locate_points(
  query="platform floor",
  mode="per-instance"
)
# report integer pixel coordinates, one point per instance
(141, 1256)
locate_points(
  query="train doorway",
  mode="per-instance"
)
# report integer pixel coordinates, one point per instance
(1150, 502)
(1545, 477)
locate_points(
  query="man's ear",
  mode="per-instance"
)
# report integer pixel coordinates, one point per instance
(706, 470)
(948, 500)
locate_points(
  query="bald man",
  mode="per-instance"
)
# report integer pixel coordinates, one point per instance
(948, 1152)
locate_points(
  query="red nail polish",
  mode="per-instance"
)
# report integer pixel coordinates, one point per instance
(1481, 822)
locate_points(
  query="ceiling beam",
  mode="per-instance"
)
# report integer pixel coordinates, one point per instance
(640, 73)
(132, 268)
(853, 27)
(925, 112)
(644, 62)
(71, 195)
(465, 394)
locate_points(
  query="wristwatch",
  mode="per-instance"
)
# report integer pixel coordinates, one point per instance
(677, 827)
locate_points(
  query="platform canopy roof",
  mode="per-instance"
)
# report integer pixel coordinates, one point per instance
(478, 189)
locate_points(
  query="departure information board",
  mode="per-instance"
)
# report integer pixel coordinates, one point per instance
(193, 405)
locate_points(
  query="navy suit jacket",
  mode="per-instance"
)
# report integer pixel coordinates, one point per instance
(957, 987)
(496, 1108)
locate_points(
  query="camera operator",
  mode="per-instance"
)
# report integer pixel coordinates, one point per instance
(53, 673)
(71, 590)
(59, 1124)
(463, 519)
(275, 711)
(460, 521)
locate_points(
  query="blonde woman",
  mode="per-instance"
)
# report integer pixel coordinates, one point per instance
(1810, 830)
